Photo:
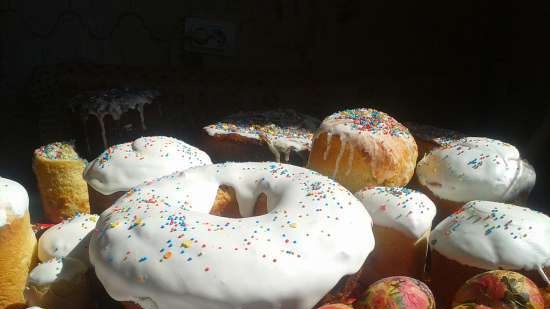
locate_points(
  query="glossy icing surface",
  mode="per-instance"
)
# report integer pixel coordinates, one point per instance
(475, 168)
(68, 238)
(491, 235)
(14, 200)
(124, 166)
(54, 270)
(403, 209)
(283, 130)
(158, 245)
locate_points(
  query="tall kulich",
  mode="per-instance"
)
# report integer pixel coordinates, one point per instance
(58, 170)
(17, 244)
(402, 223)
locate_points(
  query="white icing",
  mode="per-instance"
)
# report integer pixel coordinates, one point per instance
(57, 269)
(373, 132)
(402, 209)
(543, 275)
(113, 102)
(124, 166)
(475, 168)
(339, 157)
(327, 148)
(68, 238)
(491, 235)
(158, 245)
(100, 118)
(350, 159)
(14, 200)
(283, 131)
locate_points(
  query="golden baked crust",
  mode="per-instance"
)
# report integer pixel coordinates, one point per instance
(225, 204)
(356, 168)
(17, 257)
(363, 147)
(63, 191)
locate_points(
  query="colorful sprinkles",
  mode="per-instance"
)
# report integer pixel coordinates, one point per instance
(496, 232)
(156, 146)
(274, 127)
(145, 210)
(369, 120)
(399, 208)
(57, 151)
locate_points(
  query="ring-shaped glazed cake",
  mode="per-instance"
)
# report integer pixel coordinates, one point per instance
(160, 247)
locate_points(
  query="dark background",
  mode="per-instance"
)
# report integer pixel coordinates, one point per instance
(478, 68)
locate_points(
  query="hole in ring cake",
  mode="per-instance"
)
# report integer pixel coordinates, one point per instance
(160, 246)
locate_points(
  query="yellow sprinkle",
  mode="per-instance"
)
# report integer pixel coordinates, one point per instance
(138, 221)
(187, 243)
(114, 224)
(93, 218)
(293, 225)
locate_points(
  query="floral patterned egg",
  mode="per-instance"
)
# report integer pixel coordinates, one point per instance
(397, 292)
(500, 289)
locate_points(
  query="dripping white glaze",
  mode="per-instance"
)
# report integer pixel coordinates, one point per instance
(113, 102)
(350, 159)
(327, 147)
(369, 130)
(141, 117)
(543, 275)
(283, 131)
(159, 244)
(100, 118)
(339, 157)
(273, 149)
